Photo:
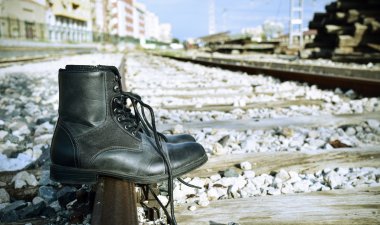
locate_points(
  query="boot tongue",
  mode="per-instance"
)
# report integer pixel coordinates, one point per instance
(113, 69)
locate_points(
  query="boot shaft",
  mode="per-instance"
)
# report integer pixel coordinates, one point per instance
(86, 96)
(85, 93)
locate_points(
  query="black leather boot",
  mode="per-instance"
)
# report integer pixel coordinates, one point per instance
(93, 136)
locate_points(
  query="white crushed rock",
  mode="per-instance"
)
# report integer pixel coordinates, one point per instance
(29, 104)
(217, 187)
(165, 83)
(285, 139)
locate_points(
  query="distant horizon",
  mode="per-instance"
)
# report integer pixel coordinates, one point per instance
(189, 18)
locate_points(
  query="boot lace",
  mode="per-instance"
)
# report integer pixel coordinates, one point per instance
(149, 128)
(128, 112)
(138, 122)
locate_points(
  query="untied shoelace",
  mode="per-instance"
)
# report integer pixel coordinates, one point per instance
(138, 122)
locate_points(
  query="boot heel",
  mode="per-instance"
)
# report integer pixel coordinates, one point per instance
(69, 175)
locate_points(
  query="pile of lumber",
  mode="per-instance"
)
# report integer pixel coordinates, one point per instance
(263, 47)
(349, 31)
(238, 43)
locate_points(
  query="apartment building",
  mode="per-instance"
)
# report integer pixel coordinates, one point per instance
(120, 16)
(69, 20)
(166, 32)
(139, 13)
(129, 18)
(152, 26)
(99, 18)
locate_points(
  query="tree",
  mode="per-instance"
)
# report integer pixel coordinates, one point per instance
(175, 40)
(273, 29)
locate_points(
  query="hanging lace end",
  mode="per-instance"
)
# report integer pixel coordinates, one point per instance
(187, 184)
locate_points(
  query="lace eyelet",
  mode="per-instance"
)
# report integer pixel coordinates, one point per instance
(115, 110)
(116, 88)
(119, 119)
(126, 127)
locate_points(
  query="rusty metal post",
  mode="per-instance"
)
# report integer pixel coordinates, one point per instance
(115, 202)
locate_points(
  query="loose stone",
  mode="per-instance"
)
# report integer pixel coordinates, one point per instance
(22, 178)
(249, 173)
(37, 200)
(31, 211)
(333, 179)
(245, 166)
(65, 195)
(283, 175)
(230, 172)
(4, 196)
(47, 193)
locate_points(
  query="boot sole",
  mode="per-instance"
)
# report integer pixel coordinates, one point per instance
(71, 175)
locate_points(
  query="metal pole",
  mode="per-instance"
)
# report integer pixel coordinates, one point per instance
(296, 22)
(301, 28)
(291, 24)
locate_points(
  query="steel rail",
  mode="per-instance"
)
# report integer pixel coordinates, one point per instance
(364, 86)
(115, 202)
(5, 62)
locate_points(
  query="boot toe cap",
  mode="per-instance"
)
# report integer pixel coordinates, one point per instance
(187, 156)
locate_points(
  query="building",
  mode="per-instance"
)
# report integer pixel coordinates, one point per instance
(309, 35)
(166, 32)
(128, 19)
(99, 17)
(69, 20)
(131, 19)
(22, 19)
(152, 26)
(139, 21)
(120, 17)
(77, 21)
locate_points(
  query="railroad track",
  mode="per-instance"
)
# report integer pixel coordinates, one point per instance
(258, 120)
(179, 93)
(5, 62)
(366, 86)
(10, 62)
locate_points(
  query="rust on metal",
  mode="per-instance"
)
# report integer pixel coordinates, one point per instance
(115, 202)
(364, 86)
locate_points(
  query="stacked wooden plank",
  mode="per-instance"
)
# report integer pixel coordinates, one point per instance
(348, 31)
(238, 43)
(263, 47)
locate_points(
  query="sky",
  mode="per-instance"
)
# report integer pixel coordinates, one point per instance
(189, 18)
